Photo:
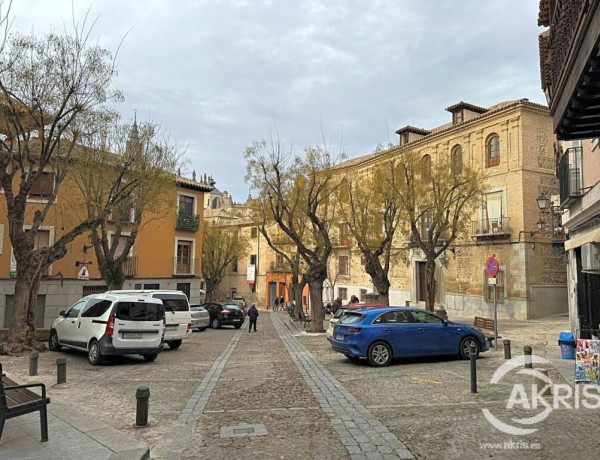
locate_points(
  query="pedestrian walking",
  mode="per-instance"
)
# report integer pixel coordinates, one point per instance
(354, 299)
(276, 304)
(253, 316)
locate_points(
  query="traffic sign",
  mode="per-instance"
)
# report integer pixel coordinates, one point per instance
(492, 266)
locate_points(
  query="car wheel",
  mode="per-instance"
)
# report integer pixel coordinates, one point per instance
(237, 326)
(380, 354)
(465, 347)
(53, 344)
(150, 358)
(216, 324)
(94, 355)
(174, 344)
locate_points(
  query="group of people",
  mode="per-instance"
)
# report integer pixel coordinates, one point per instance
(279, 303)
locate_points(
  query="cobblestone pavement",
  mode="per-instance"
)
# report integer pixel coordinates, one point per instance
(282, 393)
(427, 403)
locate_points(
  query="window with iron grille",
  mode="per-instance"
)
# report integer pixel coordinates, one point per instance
(343, 265)
(489, 289)
(43, 185)
(89, 290)
(343, 293)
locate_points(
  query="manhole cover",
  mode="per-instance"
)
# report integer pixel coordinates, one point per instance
(243, 430)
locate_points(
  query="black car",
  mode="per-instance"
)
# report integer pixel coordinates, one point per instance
(223, 314)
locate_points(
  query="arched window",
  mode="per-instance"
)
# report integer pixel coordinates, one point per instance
(457, 160)
(492, 147)
(426, 167)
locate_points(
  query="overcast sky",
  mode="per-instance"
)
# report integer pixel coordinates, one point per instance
(218, 74)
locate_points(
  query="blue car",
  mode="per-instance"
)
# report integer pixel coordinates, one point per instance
(382, 334)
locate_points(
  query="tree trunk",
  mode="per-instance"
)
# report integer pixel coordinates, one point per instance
(430, 284)
(22, 329)
(298, 287)
(378, 276)
(317, 313)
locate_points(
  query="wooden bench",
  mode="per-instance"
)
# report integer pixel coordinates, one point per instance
(18, 400)
(304, 317)
(485, 325)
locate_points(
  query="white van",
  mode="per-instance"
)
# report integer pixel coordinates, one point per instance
(110, 325)
(177, 313)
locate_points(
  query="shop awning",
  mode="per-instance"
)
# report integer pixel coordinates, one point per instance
(591, 236)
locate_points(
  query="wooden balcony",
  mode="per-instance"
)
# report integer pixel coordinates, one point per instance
(570, 66)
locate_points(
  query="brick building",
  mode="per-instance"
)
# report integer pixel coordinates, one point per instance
(513, 141)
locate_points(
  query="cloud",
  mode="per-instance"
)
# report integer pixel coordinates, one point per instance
(219, 74)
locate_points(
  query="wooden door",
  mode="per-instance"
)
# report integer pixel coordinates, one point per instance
(421, 288)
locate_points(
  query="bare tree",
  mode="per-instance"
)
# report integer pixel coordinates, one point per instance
(438, 201)
(266, 224)
(151, 163)
(294, 185)
(222, 245)
(370, 206)
(52, 92)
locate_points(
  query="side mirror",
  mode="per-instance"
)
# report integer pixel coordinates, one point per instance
(445, 323)
(62, 313)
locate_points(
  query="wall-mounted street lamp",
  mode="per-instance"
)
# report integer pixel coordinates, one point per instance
(542, 201)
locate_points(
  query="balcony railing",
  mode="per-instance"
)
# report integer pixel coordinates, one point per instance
(496, 226)
(185, 266)
(569, 176)
(187, 222)
(130, 267)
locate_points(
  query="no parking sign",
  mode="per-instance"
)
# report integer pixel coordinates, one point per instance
(492, 266)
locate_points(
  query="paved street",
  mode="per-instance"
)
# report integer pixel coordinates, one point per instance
(283, 393)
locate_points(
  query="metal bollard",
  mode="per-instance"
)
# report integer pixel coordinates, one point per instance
(473, 359)
(527, 350)
(33, 363)
(61, 370)
(506, 349)
(142, 395)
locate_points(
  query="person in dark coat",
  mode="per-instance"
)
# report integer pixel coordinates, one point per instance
(337, 305)
(253, 316)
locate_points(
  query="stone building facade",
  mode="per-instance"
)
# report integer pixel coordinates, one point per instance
(513, 142)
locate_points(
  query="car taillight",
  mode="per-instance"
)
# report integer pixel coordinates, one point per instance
(189, 326)
(110, 326)
(353, 330)
(225, 312)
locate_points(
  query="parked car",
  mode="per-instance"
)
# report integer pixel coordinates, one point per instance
(224, 314)
(381, 334)
(111, 324)
(344, 308)
(177, 313)
(200, 317)
(242, 302)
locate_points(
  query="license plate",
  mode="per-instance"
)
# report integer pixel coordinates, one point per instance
(172, 328)
(132, 335)
(236, 320)
(339, 337)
